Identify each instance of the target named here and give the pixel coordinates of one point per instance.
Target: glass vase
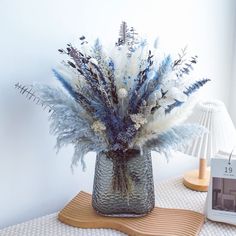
(123, 184)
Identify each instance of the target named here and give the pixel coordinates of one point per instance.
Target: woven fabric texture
(170, 194)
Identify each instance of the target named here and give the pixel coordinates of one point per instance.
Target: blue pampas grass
(166, 66)
(97, 50)
(71, 124)
(79, 97)
(65, 84)
(97, 45)
(152, 83)
(176, 138)
(160, 75)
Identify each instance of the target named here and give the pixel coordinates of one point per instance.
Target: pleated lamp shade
(221, 134)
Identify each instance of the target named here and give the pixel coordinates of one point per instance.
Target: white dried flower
(138, 120)
(144, 103)
(122, 93)
(93, 60)
(177, 94)
(154, 97)
(98, 126)
(158, 94)
(165, 102)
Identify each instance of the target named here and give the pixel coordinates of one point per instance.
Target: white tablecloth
(170, 194)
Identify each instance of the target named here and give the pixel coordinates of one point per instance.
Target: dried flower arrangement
(115, 101)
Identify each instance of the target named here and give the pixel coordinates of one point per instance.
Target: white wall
(232, 102)
(34, 180)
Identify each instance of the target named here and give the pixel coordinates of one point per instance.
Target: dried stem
(30, 94)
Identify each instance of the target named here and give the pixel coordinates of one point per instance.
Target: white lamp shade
(212, 115)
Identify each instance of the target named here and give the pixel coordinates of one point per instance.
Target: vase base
(124, 215)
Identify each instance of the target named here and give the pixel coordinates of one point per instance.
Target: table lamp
(221, 135)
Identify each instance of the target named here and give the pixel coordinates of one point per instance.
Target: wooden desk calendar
(160, 222)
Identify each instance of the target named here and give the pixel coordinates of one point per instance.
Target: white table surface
(171, 194)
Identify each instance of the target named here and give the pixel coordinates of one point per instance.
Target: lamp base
(192, 180)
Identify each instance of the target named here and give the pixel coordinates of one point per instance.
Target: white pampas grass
(161, 122)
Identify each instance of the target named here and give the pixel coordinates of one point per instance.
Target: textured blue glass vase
(123, 184)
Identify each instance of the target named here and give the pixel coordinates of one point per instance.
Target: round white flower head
(138, 120)
(98, 126)
(157, 94)
(93, 60)
(122, 93)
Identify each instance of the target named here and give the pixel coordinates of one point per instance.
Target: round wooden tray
(160, 222)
